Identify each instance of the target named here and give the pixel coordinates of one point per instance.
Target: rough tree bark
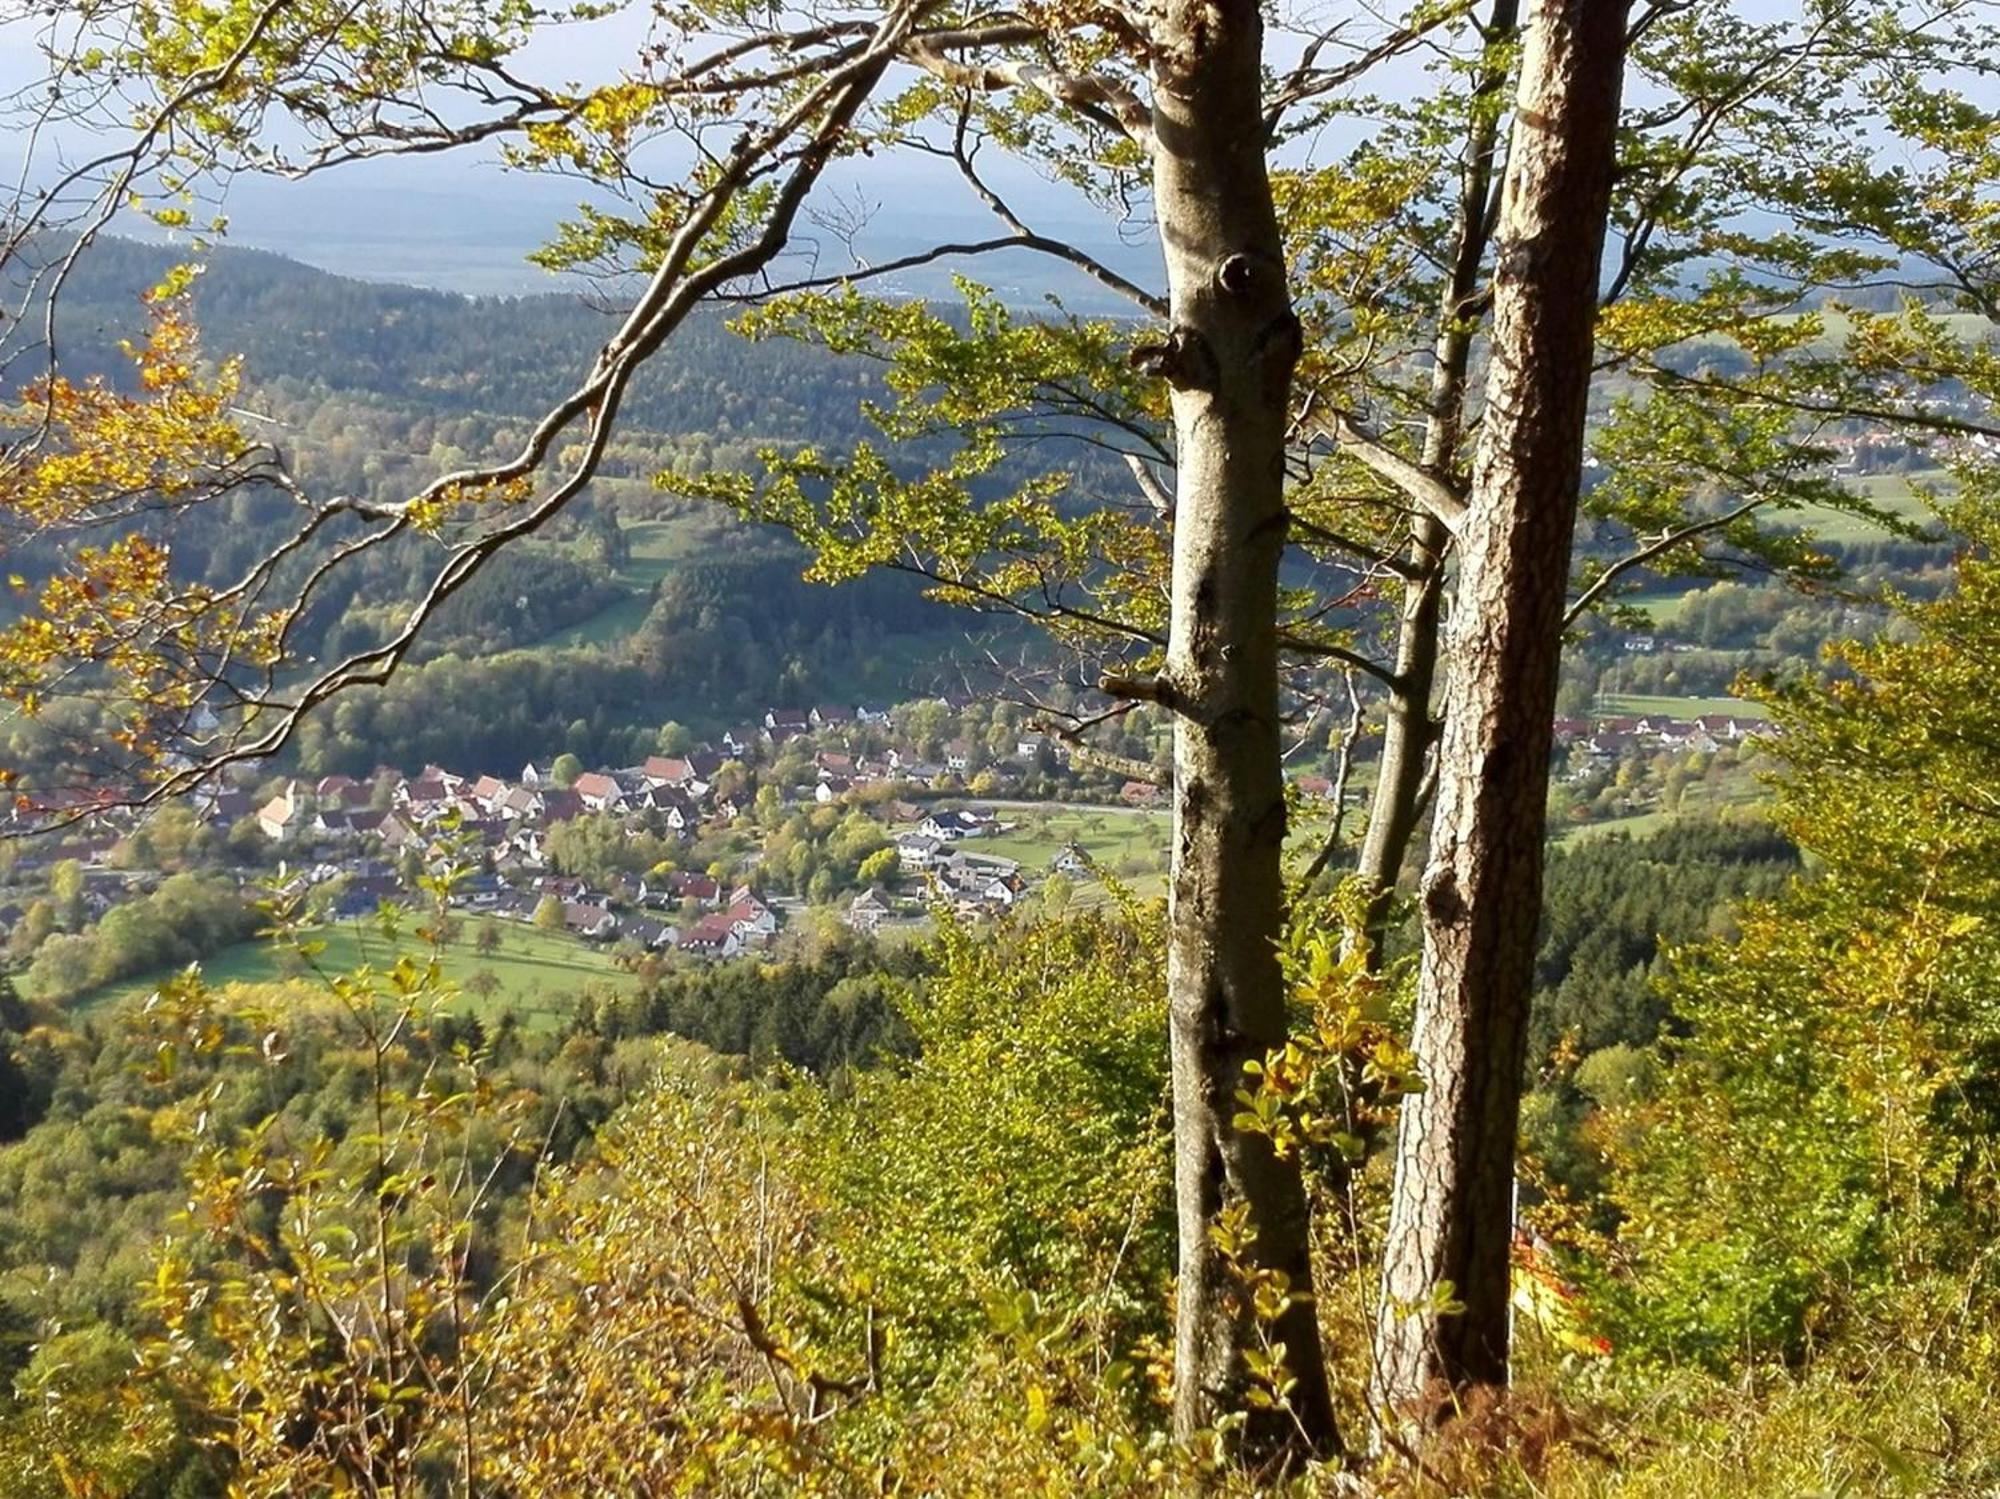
(1407, 729)
(1451, 1219)
(1229, 358)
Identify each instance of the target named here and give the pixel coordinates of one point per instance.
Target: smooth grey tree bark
(1229, 358)
(1408, 730)
(1451, 1217)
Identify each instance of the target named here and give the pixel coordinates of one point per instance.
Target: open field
(1972, 327)
(1639, 704)
(654, 546)
(1128, 842)
(1900, 494)
(1663, 607)
(535, 971)
(1736, 793)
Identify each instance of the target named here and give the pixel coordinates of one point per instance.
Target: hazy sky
(461, 222)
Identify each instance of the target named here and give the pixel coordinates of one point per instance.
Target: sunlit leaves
(964, 514)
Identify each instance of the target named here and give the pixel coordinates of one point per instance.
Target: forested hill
(299, 328)
(633, 608)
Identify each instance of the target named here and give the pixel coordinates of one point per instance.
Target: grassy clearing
(1661, 608)
(1904, 495)
(1638, 825)
(1119, 840)
(1737, 792)
(536, 972)
(1640, 704)
(653, 547)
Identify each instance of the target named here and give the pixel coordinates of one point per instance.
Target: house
(363, 895)
(537, 775)
(425, 797)
(652, 935)
(711, 937)
(228, 808)
(699, 888)
(451, 782)
(751, 919)
(832, 789)
(283, 814)
(561, 806)
(796, 720)
(329, 791)
(833, 763)
(674, 806)
(1726, 727)
(331, 824)
(825, 713)
(868, 910)
(1317, 787)
(667, 770)
(1612, 745)
(488, 792)
(1139, 794)
(949, 827)
(999, 889)
(397, 835)
(958, 755)
(918, 851)
(1073, 859)
(593, 923)
(597, 791)
(518, 803)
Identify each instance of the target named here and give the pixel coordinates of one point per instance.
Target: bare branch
(1658, 547)
(1436, 494)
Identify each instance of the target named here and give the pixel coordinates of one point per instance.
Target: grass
(1662, 608)
(1640, 704)
(1971, 327)
(1121, 841)
(1638, 825)
(1900, 494)
(534, 969)
(653, 546)
(1739, 789)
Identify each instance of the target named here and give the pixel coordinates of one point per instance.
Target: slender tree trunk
(1407, 730)
(1229, 358)
(1395, 805)
(1451, 1219)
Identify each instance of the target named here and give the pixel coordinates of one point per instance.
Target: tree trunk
(1451, 1219)
(1407, 730)
(1229, 358)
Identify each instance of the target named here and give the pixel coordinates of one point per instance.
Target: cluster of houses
(649, 914)
(351, 842)
(1596, 742)
(932, 852)
(339, 822)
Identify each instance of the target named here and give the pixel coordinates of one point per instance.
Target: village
(343, 846)
(873, 818)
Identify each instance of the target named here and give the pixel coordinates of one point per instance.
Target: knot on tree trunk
(1183, 359)
(1442, 900)
(1277, 351)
